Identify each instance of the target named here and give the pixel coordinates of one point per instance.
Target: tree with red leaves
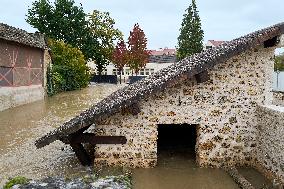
(137, 45)
(119, 57)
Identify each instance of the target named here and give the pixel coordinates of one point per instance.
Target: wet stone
(90, 182)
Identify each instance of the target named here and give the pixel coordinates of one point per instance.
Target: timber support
(76, 141)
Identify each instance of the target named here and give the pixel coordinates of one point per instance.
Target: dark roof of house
(186, 68)
(162, 58)
(10, 33)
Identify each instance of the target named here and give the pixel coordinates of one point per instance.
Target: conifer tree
(191, 34)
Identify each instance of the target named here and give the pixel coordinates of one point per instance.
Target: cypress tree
(191, 34)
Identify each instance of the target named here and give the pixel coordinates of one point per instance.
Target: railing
(278, 81)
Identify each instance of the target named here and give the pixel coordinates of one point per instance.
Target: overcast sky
(161, 19)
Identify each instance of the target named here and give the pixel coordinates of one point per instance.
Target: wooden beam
(202, 77)
(81, 154)
(93, 139)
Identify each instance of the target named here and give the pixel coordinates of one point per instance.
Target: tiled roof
(164, 51)
(10, 33)
(165, 55)
(186, 68)
(216, 43)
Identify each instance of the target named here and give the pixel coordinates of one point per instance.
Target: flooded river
(177, 169)
(21, 126)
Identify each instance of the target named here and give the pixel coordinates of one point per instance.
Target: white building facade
(158, 60)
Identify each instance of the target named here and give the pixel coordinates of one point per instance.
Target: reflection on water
(177, 169)
(21, 126)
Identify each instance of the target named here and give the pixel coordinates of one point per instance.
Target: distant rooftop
(216, 43)
(165, 51)
(165, 55)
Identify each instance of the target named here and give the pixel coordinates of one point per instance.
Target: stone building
(23, 57)
(223, 93)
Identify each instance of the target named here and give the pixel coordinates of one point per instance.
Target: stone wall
(223, 108)
(14, 96)
(270, 150)
(278, 98)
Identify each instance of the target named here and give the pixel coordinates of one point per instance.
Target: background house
(158, 60)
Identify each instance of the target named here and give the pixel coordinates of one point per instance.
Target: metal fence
(278, 81)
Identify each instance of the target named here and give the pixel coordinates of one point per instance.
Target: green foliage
(102, 29)
(191, 34)
(137, 45)
(69, 70)
(279, 62)
(62, 21)
(93, 34)
(15, 181)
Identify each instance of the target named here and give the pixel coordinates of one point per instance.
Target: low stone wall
(278, 98)
(14, 96)
(270, 150)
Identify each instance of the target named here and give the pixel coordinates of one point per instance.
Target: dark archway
(177, 139)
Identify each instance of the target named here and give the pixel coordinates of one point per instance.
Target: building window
(147, 72)
(142, 72)
(114, 72)
(152, 71)
(127, 71)
(209, 47)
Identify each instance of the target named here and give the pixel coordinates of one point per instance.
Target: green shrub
(15, 181)
(68, 71)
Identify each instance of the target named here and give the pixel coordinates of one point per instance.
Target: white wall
(15, 96)
(278, 85)
(148, 70)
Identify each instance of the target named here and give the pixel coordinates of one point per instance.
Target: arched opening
(176, 140)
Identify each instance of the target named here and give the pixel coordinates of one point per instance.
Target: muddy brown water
(178, 170)
(21, 126)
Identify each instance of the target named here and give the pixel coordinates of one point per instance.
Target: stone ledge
(272, 108)
(238, 178)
